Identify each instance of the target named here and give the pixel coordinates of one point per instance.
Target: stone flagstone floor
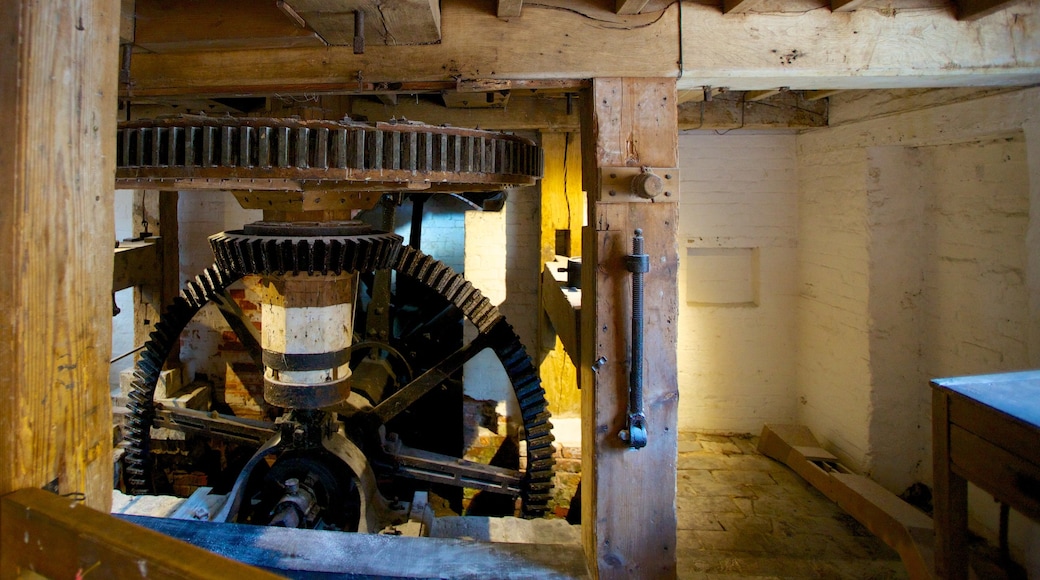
(743, 515)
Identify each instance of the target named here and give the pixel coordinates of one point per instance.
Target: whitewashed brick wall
(502, 260)
(919, 254)
(737, 362)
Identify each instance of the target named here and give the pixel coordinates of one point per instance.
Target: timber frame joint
(638, 185)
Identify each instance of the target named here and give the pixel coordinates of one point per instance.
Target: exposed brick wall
(736, 362)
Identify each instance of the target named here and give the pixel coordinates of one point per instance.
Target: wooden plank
(879, 49)
(821, 94)
(629, 6)
(739, 6)
(58, 102)
(543, 48)
(699, 94)
(157, 208)
(395, 23)
(897, 523)
(565, 319)
(562, 212)
(1008, 477)
(127, 16)
(509, 8)
(950, 498)
(136, 264)
(975, 9)
(523, 113)
(628, 122)
(487, 100)
(163, 26)
(787, 110)
(324, 553)
(58, 538)
(761, 95)
(847, 5)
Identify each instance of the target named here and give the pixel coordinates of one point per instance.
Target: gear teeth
(194, 296)
(485, 316)
(266, 255)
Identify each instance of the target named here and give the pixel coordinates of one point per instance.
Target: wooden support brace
(629, 6)
(628, 496)
(847, 5)
(737, 6)
(908, 531)
(58, 81)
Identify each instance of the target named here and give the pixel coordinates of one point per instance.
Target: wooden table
(986, 430)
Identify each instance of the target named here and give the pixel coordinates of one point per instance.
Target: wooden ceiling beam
(629, 6)
(163, 27)
(761, 95)
(739, 6)
(402, 22)
(822, 94)
(865, 49)
(509, 8)
(524, 113)
(786, 110)
(975, 9)
(478, 46)
(847, 5)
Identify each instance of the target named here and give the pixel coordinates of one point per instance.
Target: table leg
(951, 498)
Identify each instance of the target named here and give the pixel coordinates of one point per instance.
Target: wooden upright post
(58, 82)
(628, 495)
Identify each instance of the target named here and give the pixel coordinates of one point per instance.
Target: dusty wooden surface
(57, 537)
(328, 553)
(628, 496)
(58, 101)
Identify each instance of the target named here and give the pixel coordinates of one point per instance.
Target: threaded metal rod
(637, 263)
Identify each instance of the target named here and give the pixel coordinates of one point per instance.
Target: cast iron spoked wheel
(494, 333)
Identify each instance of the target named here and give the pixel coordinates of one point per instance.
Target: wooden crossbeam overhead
(974, 9)
(823, 94)
(864, 49)
(738, 6)
(229, 24)
(761, 95)
(630, 6)
(509, 8)
(847, 5)
(394, 23)
(542, 49)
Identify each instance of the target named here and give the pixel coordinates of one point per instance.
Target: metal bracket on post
(638, 185)
(638, 263)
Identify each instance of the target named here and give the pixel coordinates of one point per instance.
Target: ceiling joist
(974, 9)
(630, 6)
(403, 22)
(739, 6)
(847, 5)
